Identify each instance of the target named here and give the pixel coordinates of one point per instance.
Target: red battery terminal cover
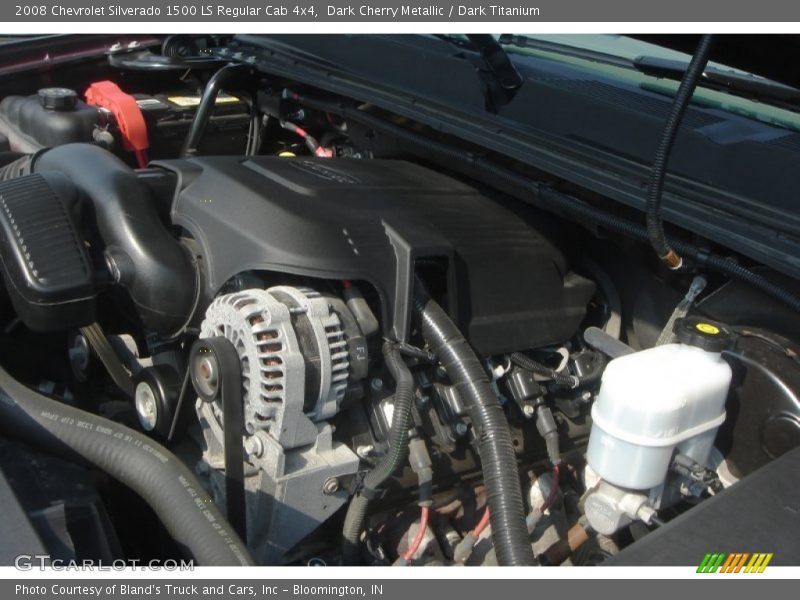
(128, 115)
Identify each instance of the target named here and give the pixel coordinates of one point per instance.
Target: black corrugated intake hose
(655, 226)
(500, 475)
(389, 463)
(146, 467)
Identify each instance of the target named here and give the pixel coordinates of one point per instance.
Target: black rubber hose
(655, 225)
(225, 76)
(351, 531)
(144, 257)
(503, 491)
(395, 455)
(732, 269)
(146, 467)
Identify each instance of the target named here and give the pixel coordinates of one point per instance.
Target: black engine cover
(508, 286)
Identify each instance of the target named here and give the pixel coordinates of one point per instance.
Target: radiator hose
(389, 463)
(503, 491)
(146, 467)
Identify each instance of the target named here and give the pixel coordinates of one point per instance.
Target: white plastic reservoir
(652, 402)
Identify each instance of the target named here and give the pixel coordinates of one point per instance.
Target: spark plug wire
(482, 524)
(551, 497)
(423, 527)
(465, 547)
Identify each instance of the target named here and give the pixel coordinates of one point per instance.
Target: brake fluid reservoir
(658, 400)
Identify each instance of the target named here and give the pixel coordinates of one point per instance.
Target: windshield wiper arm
(741, 84)
(522, 41)
(501, 74)
(497, 61)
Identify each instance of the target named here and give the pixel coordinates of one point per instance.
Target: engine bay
(268, 330)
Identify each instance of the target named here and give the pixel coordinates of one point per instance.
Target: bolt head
(331, 486)
(461, 428)
(146, 406)
(254, 446)
(365, 450)
(206, 375)
(112, 267)
(79, 356)
(528, 410)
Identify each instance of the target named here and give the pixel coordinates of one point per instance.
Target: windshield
(620, 46)
(632, 61)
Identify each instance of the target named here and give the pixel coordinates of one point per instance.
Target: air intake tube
(504, 494)
(143, 256)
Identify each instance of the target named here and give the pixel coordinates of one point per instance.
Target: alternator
(293, 355)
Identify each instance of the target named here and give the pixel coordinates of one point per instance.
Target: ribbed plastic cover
(508, 284)
(46, 268)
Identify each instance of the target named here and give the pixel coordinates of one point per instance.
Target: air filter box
(46, 268)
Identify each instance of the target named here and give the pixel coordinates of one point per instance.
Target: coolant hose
(146, 467)
(655, 226)
(389, 463)
(503, 491)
